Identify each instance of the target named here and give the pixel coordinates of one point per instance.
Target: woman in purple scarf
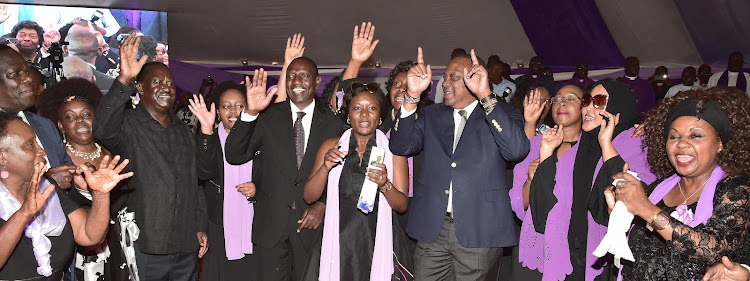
(568, 210)
(39, 223)
(230, 212)
(360, 241)
(699, 144)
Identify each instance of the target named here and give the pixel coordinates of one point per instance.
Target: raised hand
(295, 47)
(257, 100)
(34, 201)
(533, 106)
(551, 139)
(50, 36)
(607, 129)
(107, 176)
(206, 117)
(4, 13)
(419, 77)
(362, 44)
(476, 78)
(130, 63)
(333, 157)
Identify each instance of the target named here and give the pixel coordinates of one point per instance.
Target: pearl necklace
(85, 155)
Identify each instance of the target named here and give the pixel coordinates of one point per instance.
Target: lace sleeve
(725, 232)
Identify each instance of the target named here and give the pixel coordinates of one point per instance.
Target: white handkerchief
(616, 240)
(366, 202)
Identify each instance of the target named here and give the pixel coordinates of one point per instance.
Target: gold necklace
(694, 192)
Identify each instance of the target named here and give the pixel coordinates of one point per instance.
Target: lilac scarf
(741, 82)
(705, 208)
(382, 260)
(549, 253)
(238, 214)
(50, 221)
(630, 151)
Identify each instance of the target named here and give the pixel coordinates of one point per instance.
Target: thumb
(728, 264)
(625, 167)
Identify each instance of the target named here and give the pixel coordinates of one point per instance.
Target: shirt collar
(631, 78)
(308, 110)
(469, 108)
(144, 115)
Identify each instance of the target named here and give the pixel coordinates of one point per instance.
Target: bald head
(83, 44)
(76, 67)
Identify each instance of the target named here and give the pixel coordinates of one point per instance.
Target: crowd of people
(105, 182)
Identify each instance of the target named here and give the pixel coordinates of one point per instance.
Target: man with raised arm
(169, 205)
(282, 139)
(461, 212)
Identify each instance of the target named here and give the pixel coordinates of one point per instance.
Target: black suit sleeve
(243, 141)
(209, 149)
(541, 196)
(110, 114)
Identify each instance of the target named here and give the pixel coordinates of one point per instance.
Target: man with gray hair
(84, 45)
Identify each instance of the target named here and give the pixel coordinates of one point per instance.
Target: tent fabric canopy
(659, 32)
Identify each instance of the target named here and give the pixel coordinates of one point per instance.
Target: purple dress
(644, 93)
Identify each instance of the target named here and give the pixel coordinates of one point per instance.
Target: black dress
(356, 229)
(22, 264)
(693, 250)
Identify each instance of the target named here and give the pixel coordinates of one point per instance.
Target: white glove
(616, 240)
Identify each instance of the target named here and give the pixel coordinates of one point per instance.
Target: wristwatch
(661, 220)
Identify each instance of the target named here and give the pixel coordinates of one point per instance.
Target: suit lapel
(470, 126)
(448, 130)
(286, 139)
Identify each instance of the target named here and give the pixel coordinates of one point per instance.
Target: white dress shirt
(679, 88)
(306, 120)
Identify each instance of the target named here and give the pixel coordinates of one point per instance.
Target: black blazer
(279, 183)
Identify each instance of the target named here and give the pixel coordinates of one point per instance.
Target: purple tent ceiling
(670, 32)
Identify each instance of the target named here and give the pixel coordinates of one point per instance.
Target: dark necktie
(299, 138)
(461, 124)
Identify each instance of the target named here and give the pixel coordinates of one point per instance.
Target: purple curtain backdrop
(717, 28)
(564, 32)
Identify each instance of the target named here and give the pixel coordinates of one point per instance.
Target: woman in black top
(38, 229)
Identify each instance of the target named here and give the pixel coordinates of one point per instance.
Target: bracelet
(410, 100)
(386, 187)
(488, 103)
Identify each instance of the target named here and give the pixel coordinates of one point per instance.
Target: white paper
(366, 202)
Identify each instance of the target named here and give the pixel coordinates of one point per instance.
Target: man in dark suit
(287, 135)
(84, 45)
(461, 212)
(18, 92)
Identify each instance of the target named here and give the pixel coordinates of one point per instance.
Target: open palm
(206, 117)
(295, 47)
(107, 176)
(4, 13)
(257, 100)
(362, 44)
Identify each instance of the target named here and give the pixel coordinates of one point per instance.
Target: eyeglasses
(566, 99)
(372, 87)
(13, 41)
(599, 101)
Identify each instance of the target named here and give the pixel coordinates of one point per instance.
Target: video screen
(45, 34)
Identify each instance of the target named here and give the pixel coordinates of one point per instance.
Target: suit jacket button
(453, 164)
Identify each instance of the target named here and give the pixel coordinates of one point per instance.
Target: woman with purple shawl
(559, 232)
(230, 212)
(361, 240)
(698, 143)
(39, 223)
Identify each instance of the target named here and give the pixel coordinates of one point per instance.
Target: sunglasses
(359, 86)
(599, 101)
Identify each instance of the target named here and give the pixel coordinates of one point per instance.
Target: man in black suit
(288, 135)
(18, 92)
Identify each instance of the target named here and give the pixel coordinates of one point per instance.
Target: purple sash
(705, 208)
(238, 213)
(741, 82)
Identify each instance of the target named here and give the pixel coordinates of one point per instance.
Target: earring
(347, 120)
(65, 138)
(4, 174)
(381, 122)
